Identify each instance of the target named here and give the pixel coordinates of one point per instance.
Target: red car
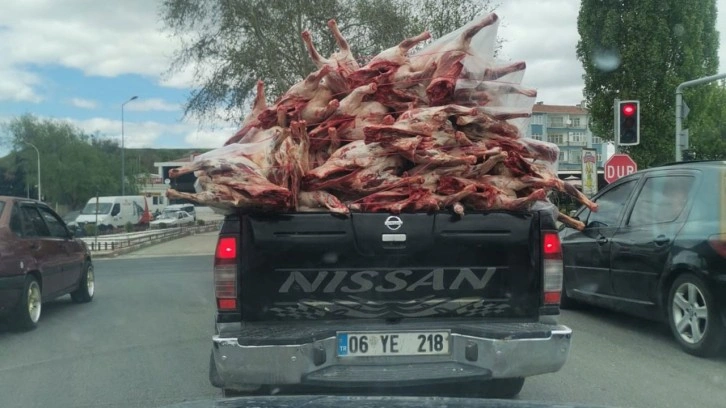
(40, 260)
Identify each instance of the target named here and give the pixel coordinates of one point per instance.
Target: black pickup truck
(376, 300)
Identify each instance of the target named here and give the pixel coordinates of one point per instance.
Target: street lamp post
(123, 160)
(38, 153)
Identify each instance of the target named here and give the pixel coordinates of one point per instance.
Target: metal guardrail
(115, 242)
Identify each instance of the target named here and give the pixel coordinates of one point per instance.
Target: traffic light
(628, 123)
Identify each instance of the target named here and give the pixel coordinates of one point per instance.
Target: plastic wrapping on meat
(421, 127)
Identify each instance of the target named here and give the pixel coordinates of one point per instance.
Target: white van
(113, 212)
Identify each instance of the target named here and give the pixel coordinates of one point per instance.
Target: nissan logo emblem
(393, 223)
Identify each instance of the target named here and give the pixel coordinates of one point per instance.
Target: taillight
(226, 248)
(718, 243)
(552, 265)
(225, 274)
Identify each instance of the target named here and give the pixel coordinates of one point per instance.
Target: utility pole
(123, 162)
(679, 107)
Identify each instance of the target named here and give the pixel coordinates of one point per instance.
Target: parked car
(39, 260)
(172, 219)
(188, 208)
(656, 248)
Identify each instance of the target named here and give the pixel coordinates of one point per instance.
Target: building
(184, 183)
(152, 186)
(568, 128)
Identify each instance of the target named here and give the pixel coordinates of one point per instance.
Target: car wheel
(504, 387)
(86, 287)
(28, 312)
(693, 317)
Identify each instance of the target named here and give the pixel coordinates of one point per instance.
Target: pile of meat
(406, 132)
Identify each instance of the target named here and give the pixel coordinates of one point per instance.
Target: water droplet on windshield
(606, 60)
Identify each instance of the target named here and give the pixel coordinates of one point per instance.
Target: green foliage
(74, 165)
(90, 229)
(129, 227)
(706, 123)
(200, 223)
(246, 40)
(643, 50)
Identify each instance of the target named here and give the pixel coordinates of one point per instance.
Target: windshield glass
(103, 208)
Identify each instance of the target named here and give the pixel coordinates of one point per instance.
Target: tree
(233, 43)
(706, 123)
(74, 166)
(643, 50)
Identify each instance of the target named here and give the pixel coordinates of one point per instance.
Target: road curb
(132, 248)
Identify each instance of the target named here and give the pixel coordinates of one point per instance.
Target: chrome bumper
(514, 350)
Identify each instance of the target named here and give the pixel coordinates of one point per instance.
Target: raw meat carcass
(251, 121)
(449, 64)
(317, 200)
(428, 130)
(292, 104)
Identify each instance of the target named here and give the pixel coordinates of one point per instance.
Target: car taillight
(718, 243)
(552, 265)
(225, 274)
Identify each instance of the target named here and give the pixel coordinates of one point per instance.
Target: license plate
(357, 344)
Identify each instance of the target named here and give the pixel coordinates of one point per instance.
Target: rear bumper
(286, 355)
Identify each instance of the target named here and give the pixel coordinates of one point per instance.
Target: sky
(79, 60)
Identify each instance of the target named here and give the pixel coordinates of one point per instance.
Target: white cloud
(545, 37)
(209, 138)
(17, 85)
(83, 103)
(98, 38)
(153, 104)
(154, 134)
(125, 37)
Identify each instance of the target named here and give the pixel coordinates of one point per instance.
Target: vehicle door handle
(602, 240)
(661, 240)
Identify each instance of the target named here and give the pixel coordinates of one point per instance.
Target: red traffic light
(629, 109)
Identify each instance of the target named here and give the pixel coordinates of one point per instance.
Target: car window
(116, 209)
(611, 205)
(16, 225)
(661, 199)
(55, 225)
(33, 222)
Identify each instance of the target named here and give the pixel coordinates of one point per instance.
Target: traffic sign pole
(616, 125)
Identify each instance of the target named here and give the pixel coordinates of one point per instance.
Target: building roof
(540, 107)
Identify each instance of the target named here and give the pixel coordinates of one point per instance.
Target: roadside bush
(129, 227)
(200, 222)
(90, 229)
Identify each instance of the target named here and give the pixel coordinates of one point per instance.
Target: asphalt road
(144, 342)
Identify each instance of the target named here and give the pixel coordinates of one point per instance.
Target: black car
(656, 248)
